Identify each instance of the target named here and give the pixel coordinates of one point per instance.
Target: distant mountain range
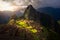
(55, 12)
(5, 15)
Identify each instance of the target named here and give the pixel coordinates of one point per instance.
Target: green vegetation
(58, 21)
(27, 29)
(37, 32)
(31, 29)
(23, 24)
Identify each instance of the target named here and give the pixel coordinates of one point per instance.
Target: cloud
(43, 3)
(38, 3)
(50, 3)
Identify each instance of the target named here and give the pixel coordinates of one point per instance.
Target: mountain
(5, 15)
(45, 19)
(3, 18)
(55, 12)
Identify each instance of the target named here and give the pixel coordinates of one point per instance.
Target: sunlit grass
(34, 29)
(24, 24)
(30, 27)
(11, 22)
(58, 21)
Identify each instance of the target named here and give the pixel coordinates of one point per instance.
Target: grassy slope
(16, 31)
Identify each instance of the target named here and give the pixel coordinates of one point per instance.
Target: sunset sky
(12, 5)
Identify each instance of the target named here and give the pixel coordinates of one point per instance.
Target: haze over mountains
(5, 15)
(55, 12)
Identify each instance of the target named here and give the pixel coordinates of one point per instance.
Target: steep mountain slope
(3, 18)
(55, 12)
(5, 15)
(44, 19)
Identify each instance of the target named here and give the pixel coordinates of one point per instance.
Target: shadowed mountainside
(55, 12)
(5, 15)
(46, 20)
(3, 18)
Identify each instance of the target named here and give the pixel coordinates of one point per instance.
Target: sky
(42, 3)
(51, 3)
(11, 5)
(45, 3)
(37, 3)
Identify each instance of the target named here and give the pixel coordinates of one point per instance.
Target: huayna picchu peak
(45, 19)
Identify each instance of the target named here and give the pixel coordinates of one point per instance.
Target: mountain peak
(29, 6)
(30, 10)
